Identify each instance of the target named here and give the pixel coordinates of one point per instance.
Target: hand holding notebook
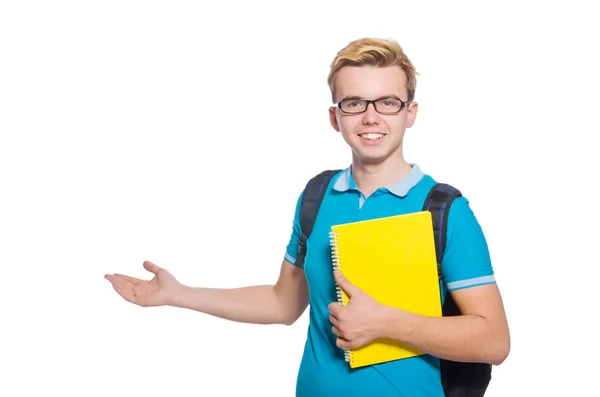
(358, 323)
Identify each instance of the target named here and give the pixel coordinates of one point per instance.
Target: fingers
(334, 320)
(340, 341)
(132, 280)
(335, 308)
(343, 343)
(119, 280)
(122, 287)
(111, 278)
(343, 338)
(336, 331)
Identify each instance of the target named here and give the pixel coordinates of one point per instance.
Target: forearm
(466, 338)
(255, 304)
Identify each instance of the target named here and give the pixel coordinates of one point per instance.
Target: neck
(371, 176)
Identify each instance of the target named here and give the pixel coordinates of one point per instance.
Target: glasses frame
(403, 104)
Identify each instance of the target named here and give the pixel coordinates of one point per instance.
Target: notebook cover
(393, 260)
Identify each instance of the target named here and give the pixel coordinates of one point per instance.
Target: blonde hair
(374, 52)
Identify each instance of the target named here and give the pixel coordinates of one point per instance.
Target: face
(373, 137)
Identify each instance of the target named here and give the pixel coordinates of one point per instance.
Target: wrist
(394, 324)
(176, 296)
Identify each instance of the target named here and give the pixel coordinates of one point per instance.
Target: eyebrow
(376, 99)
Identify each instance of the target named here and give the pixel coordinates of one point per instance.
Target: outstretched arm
(282, 303)
(279, 303)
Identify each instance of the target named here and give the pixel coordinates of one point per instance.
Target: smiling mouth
(371, 136)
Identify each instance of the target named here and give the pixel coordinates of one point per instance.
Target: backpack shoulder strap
(459, 379)
(309, 208)
(438, 202)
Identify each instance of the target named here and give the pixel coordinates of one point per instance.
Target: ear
(333, 118)
(411, 114)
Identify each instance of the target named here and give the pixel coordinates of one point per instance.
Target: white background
(166, 131)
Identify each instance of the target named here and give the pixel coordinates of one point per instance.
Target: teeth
(372, 136)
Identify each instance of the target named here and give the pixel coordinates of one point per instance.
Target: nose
(370, 116)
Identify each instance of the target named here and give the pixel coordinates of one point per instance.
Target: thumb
(349, 288)
(151, 267)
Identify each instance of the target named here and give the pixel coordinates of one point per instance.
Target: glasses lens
(353, 105)
(389, 105)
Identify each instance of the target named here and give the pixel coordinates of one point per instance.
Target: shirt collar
(401, 188)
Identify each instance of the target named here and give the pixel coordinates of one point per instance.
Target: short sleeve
(291, 252)
(466, 262)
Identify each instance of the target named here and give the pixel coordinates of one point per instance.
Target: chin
(376, 154)
(363, 158)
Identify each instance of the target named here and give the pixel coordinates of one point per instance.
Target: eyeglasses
(383, 105)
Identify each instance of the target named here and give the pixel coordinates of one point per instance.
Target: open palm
(153, 292)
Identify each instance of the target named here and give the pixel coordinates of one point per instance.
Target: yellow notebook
(393, 260)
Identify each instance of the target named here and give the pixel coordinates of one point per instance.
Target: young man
(373, 85)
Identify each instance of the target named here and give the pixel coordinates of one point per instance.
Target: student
(372, 84)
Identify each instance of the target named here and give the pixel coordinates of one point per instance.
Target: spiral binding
(335, 257)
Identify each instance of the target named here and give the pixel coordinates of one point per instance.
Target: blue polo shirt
(466, 263)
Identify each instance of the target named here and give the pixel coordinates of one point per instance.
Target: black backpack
(458, 379)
